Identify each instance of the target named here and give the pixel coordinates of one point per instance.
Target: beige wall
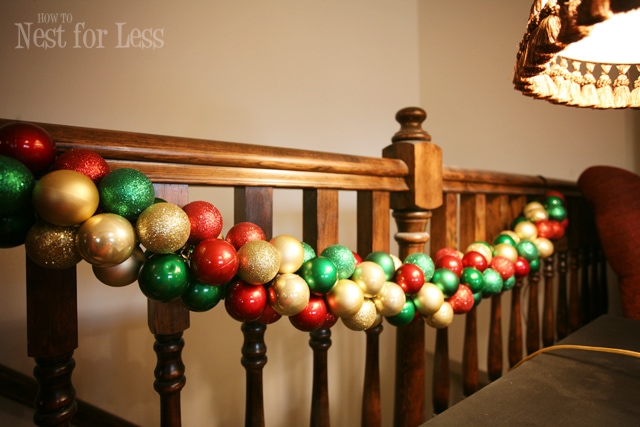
(324, 75)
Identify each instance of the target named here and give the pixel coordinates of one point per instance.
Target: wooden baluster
(320, 230)
(562, 315)
(254, 204)
(533, 319)
(52, 337)
(373, 235)
(574, 290)
(548, 323)
(585, 286)
(167, 322)
(515, 325)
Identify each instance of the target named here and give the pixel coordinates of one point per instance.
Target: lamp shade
(583, 53)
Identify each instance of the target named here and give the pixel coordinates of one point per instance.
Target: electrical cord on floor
(578, 347)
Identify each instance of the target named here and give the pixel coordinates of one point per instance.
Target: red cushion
(614, 194)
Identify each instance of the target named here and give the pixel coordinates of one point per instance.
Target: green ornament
(534, 264)
(518, 220)
(509, 283)
(126, 192)
(385, 261)
(473, 278)
(446, 280)
(201, 297)
(527, 250)
(553, 201)
(16, 186)
(406, 315)
(14, 229)
(320, 273)
(492, 282)
(423, 261)
(309, 252)
(504, 238)
(164, 277)
(477, 298)
(343, 258)
(557, 213)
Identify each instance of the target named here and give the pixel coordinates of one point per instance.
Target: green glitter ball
(423, 261)
(385, 261)
(492, 282)
(343, 258)
(126, 192)
(16, 186)
(527, 250)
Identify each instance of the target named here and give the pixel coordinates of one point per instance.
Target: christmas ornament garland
(73, 208)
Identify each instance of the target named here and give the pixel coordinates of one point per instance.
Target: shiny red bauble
(450, 262)
(87, 162)
(214, 262)
(29, 144)
(357, 257)
(521, 267)
(244, 232)
(475, 259)
(503, 266)
(268, 316)
(329, 320)
(206, 221)
(245, 302)
(410, 278)
(445, 251)
(312, 317)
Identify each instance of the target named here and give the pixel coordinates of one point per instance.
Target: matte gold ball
(65, 197)
(291, 253)
(370, 277)
(258, 262)
(363, 319)
(544, 245)
(506, 250)
(345, 299)
(122, 274)
(288, 294)
(526, 230)
(441, 318)
(163, 228)
(106, 240)
(535, 211)
(390, 300)
(52, 246)
(429, 299)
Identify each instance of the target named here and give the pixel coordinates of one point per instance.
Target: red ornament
(522, 267)
(29, 144)
(503, 266)
(214, 262)
(462, 301)
(244, 232)
(475, 259)
(553, 193)
(329, 320)
(410, 278)
(558, 229)
(86, 162)
(245, 302)
(357, 257)
(268, 316)
(206, 221)
(450, 262)
(445, 251)
(312, 317)
(545, 228)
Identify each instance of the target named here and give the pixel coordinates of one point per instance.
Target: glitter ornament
(288, 294)
(370, 277)
(385, 261)
(29, 144)
(205, 219)
(343, 258)
(106, 240)
(200, 297)
(14, 229)
(423, 261)
(309, 252)
(503, 266)
(320, 273)
(345, 299)
(258, 262)
(245, 302)
(16, 186)
(429, 299)
(390, 300)
(244, 232)
(291, 252)
(164, 277)
(86, 162)
(163, 228)
(492, 282)
(508, 283)
(122, 274)
(214, 261)
(364, 319)
(312, 316)
(441, 318)
(65, 197)
(446, 280)
(462, 301)
(527, 250)
(126, 192)
(409, 277)
(52, 246)
(405, 316)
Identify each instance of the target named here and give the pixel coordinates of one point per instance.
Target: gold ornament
(106, 240)
(441, 318)
(535, 211)
(122, 274)
(370, 277)
(163, 228)
(506, 250)
(526, 230)
(291, 253)
(390, 300)
(258, 262)
(544, 245)
(429, 299)
(288, 294)
(345, 299)
(363, 319)
(52, 246)
(65, 197)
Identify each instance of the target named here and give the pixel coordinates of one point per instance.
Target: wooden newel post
(412, 212)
